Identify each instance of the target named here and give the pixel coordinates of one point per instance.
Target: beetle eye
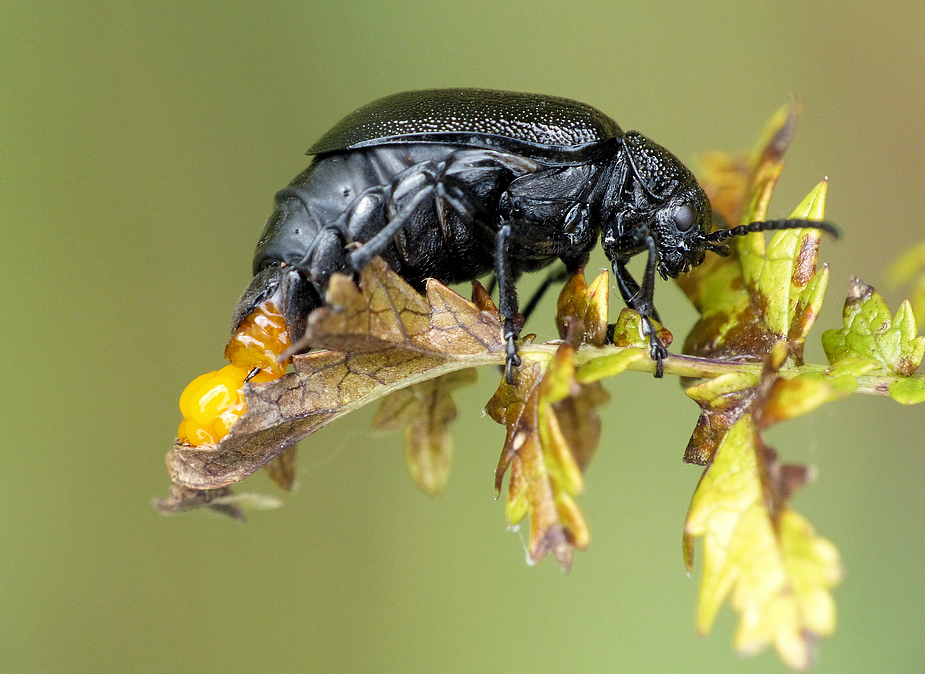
(685, 217)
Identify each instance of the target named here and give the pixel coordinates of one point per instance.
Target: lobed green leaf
(870, 331)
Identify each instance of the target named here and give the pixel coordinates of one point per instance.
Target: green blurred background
(141, 146)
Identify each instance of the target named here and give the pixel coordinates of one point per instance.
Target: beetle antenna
(768, 225)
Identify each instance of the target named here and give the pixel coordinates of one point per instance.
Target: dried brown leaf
(391, 337)
(386, 313)
(482, 299)
(183, 498)
(555, 522)
(281, 469)
(222, 500)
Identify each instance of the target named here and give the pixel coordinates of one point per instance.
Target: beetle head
(679, 226)
(662, 200)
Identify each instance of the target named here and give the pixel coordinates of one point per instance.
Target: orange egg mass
(212, 402)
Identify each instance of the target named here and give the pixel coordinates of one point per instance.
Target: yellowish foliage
(777, 571)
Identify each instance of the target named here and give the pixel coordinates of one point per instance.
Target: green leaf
(628, 331)
(770, 563)
(871, 331)
(785, 288)
(908, 391)
(756, 550)
(722, 402)
(609, 365)
(762, 293)
(791, 398)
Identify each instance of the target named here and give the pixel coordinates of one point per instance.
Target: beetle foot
(513, 358)
(509, 371)
(658, 353)
(657, 350)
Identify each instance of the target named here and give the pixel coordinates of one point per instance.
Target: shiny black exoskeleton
(453, 184)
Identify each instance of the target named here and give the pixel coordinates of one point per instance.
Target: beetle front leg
(642, 300)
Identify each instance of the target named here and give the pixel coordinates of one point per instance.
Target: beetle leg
(531, 237)
(507, 298)
(362, 256)
(431, 181)
(492, 282)
(642, 300)
(466, 204)
(556, 276)
(326, 255)
(629, 289)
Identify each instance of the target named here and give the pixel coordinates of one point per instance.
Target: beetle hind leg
(360, 258)
(451, 185)
(443, 184)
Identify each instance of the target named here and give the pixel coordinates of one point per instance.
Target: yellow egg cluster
(259, 340)
(212, 402)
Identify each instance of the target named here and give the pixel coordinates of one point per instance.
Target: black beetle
(453, 184)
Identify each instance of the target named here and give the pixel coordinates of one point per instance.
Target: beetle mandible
(452, 184)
